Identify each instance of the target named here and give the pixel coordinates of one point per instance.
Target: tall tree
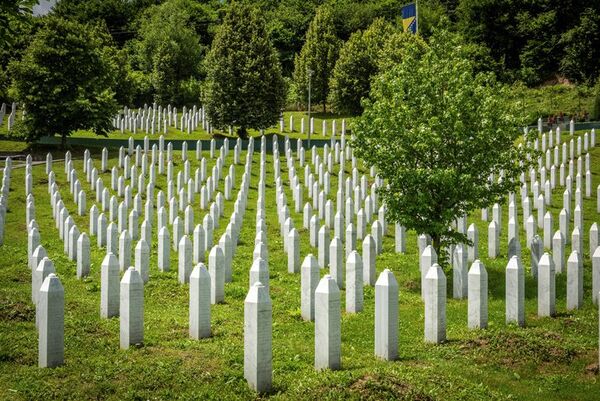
(65, 81)
(582, 48)
(357, 64)
(436, 132)
(317, 58)
(244, 87)
(169, 50)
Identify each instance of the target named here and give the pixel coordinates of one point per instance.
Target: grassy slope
(547, 360)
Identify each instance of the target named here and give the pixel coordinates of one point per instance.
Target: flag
(409, 17)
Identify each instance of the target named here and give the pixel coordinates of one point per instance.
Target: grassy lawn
(199, 133)
(550, 359)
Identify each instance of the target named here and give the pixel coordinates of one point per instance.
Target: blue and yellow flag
(409, 17)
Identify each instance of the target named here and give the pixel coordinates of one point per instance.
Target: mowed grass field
(550, 359)
(200, 133)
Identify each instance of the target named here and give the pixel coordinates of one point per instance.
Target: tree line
(237, 56)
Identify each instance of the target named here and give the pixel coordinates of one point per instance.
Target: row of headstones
(151, 121)
(108, 293)
(203, 286)
(323, 205)
(540, 126)
(4, 192)
(292, 128)
(98, 223)
(541, 264)
(11, 116)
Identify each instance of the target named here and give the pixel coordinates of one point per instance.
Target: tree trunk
(63, 142)
(242, 132)
(437, 244)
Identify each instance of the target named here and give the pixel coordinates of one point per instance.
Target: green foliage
(525, 35)
(287, 22)
(396, 45)
(317, 57)
(65, 81)
(117, 15)
(168, 49)
(551, 100)
(582, 48)
(356, 65)
(436, 131)
(596, 105)
(244, 86)
(11, 12)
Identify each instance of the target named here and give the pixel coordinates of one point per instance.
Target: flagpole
(417, 15)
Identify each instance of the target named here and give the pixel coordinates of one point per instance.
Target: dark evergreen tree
(244, 86)
(317, 58)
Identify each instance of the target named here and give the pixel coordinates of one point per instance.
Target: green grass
(199, 133)
(553, 99)
(546, 360)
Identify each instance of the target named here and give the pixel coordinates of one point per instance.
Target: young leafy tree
(65, 82)
(318, 55)
(357, 64)
(244, 87)
(437, 132)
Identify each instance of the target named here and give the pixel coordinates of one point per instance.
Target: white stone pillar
(546, 286)
(574, 281)
(354, 283)
(216, 269)
(109, 286)
(478, 296)
(515, 292)
(435, 305)
(386, 316)
(51, 313)
(200, 302)
(131, 309)
(258, 352)
(309, 279)
(328, 322)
